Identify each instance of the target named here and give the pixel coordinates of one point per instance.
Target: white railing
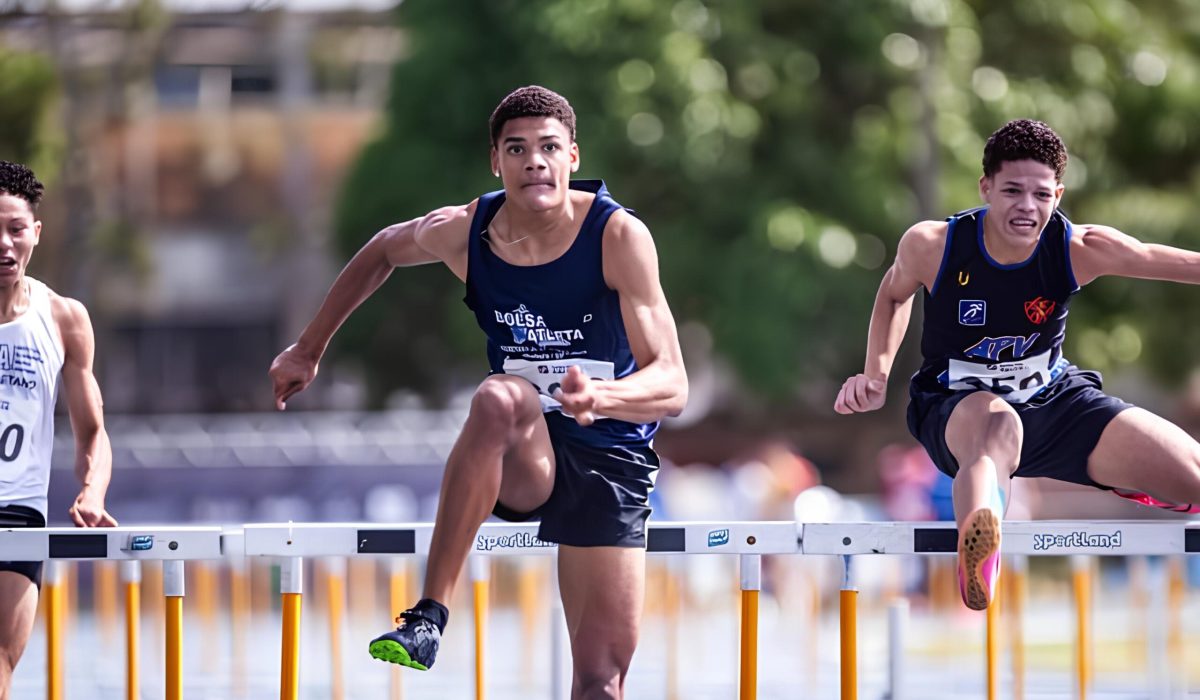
(291, 543)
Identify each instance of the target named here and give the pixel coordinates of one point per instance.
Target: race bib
(1015, 382)
(547, 375)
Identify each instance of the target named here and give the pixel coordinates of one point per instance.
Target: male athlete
(585, 361)
(42, 336)
(994, 397)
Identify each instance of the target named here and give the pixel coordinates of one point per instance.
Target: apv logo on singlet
(530, 327)
(990, 348)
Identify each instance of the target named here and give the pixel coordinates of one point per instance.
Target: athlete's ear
(495, 160)
(985, 187)
(574, 157)
(1058, 193)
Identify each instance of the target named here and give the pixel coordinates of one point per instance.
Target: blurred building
(203, 152)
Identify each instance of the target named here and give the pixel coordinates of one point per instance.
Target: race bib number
(1015, 382)
(547, 375)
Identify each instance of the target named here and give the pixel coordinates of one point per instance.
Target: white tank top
(31, 360)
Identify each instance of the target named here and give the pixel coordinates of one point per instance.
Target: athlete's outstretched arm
(440, 235)
(917, 258)
(659, 387)
(1097, 251)
(93, 452)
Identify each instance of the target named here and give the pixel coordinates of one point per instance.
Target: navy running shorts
(601, 495)
(22, 516)
(1061, 426)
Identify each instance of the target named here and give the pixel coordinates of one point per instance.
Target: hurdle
(1032, 538)
(291, 543)
(130, 546)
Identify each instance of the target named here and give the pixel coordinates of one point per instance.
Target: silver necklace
(506, 243)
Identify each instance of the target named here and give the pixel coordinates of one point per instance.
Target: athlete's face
(534, 157)
(19, 231)
(1021, 196)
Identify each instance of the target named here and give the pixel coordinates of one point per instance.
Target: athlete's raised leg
(603, 589)
(18, 596)
(503, 454)
(1139, 451)
(984, 434)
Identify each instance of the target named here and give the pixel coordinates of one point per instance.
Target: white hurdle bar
(1030, 538)
(292, 542)
(130, 546)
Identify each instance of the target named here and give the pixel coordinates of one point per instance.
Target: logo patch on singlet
(530, 328)
(972, 312)
(1038, 310)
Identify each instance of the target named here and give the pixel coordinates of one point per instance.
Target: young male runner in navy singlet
(994, 397)
(585, 361)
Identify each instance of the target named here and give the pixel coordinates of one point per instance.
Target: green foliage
(778, 149)
(27, 90)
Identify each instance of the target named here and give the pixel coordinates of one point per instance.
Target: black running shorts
(1061, 426)
(22, 516)
(601, 496)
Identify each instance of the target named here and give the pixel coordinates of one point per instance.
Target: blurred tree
(27, 91)
(778, 149)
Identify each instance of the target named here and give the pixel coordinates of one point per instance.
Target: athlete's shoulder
(448, 219)
(924, 238)
(67, 312)
(624, 228)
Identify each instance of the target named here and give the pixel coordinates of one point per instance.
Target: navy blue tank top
(997, 327)
(542, 319)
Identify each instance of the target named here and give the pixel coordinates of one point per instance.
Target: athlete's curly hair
(19, 181)
(532, 101)
(1025, 139)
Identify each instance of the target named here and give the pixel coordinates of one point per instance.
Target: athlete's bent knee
(499, 401)
(601, 683)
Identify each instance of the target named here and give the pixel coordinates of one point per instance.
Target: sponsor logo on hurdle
(139, 543)
(517, 540)
(1045, 541)
(716, 538)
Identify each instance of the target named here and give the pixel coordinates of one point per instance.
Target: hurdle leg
(1016, 593)
(398, 595)
(993, 645)
(131, 577)
(1082, 579)
(480, 567)
(53, 593)
(751, 575)
(291, 586)
(848, 613)
(897, 631)
(335, 600)
(173, 592)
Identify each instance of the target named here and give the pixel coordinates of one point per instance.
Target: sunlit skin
(1021, 196)
(535, 157)
(19, 234)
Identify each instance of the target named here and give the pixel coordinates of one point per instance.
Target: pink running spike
(979, 558)
(1147, 500)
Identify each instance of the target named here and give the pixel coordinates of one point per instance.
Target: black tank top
(997, 327)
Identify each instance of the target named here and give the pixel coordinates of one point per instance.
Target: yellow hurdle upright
(848, 598)
(54, 629)
(173, 590)
(291, 586)
(131, 577)
(480, 567)
(993, 645)
(1081, 567)
(751, 575)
